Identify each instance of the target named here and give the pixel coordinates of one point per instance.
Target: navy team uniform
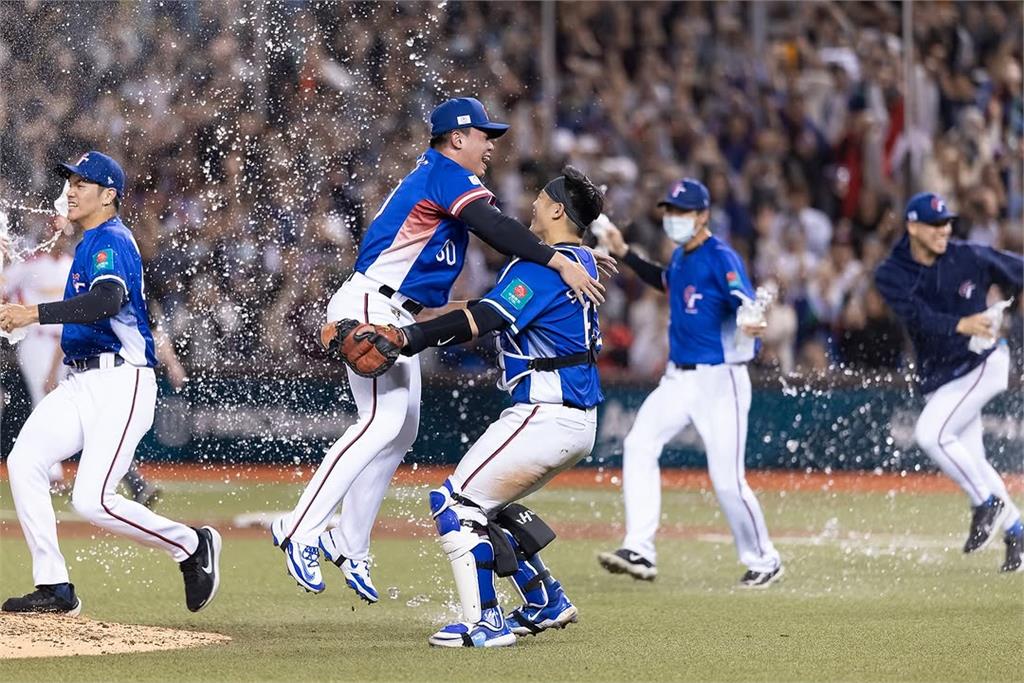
(548, 348)
(705, 383)
(412, 252)
(103, 409)
(956, 381)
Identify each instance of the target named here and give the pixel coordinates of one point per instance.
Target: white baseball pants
(716, 399)
(524, 449)
(950, 431)
(359, 466)
(35, 357)
(103, 413)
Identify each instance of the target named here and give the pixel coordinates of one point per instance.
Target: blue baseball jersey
(109, 252)
(703, 287)
(416, 243)
(546, 321)
(930, 300)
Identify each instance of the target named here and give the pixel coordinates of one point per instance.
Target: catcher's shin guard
(463, 532)
(532, 579)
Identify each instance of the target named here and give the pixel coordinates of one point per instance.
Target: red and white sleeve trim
(466, 198)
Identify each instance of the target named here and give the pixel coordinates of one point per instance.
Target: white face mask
(679, 228)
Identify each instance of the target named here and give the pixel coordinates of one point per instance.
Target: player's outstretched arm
(512, 238)
(102, 301)
(611, 238)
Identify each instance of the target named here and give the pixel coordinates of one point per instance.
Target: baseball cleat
(490, 631)
(758, 580)
(302, 561)
(201, 570)
(624, 561)
(986, 518)
(531, 620)
(57, 599)
(356, 572)
(1014, 549)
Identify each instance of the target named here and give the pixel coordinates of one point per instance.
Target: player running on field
(409, 259)
(103, 409)
(548, 342)
(939, 288)
(706, 383)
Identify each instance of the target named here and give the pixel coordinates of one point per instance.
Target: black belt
(685, 366)
(559, 362)
(93, 363)
(567, 404)
(408, 304)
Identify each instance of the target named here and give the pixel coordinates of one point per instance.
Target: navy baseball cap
(929, 208)
(688, 194)
(98, 168)
(462, 112)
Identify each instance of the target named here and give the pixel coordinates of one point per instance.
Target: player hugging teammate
(548, 339)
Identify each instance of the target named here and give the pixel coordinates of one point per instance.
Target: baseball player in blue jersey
(548, 339)
(706, 383)
(103, 408)
(409, 259)
(939, 288)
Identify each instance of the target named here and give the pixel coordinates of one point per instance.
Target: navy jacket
(931, 300)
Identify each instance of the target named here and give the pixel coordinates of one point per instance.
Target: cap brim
(942, 221)
(681, 207)
(67, 170)
(494, 130)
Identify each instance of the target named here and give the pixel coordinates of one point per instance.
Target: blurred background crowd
(260, 139)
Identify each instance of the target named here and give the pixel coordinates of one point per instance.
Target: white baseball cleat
(356, 572)
(302, 561)
(490, 631)
(624, 561)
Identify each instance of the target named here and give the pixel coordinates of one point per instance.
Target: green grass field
(875, 589)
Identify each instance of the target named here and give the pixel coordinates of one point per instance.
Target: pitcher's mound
(51, 635)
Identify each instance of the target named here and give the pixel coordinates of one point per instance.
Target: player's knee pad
(531, 533)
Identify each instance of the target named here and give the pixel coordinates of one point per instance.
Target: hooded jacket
(930, 300)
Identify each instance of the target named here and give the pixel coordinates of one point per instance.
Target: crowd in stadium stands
(259, 141)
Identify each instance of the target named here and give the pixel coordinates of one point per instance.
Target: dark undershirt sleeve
(451, 328)
(651, 273)
(102, 301)
(504, 233)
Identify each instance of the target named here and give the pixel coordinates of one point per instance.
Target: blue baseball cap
(462, 112)
(928, 207)
(688, 194)
(98, 168)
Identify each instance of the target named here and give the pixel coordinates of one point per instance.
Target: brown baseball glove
(370, 350)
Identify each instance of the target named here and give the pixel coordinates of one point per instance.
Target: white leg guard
(464, 540)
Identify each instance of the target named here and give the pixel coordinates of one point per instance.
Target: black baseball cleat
(985, 519)
(1014, 549)
(57, 599)
(753, 579)
(624, 561)
(202, 570)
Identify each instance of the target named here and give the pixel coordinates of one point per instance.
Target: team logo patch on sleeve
(103, 260)
(733, 278)
(517, 293)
